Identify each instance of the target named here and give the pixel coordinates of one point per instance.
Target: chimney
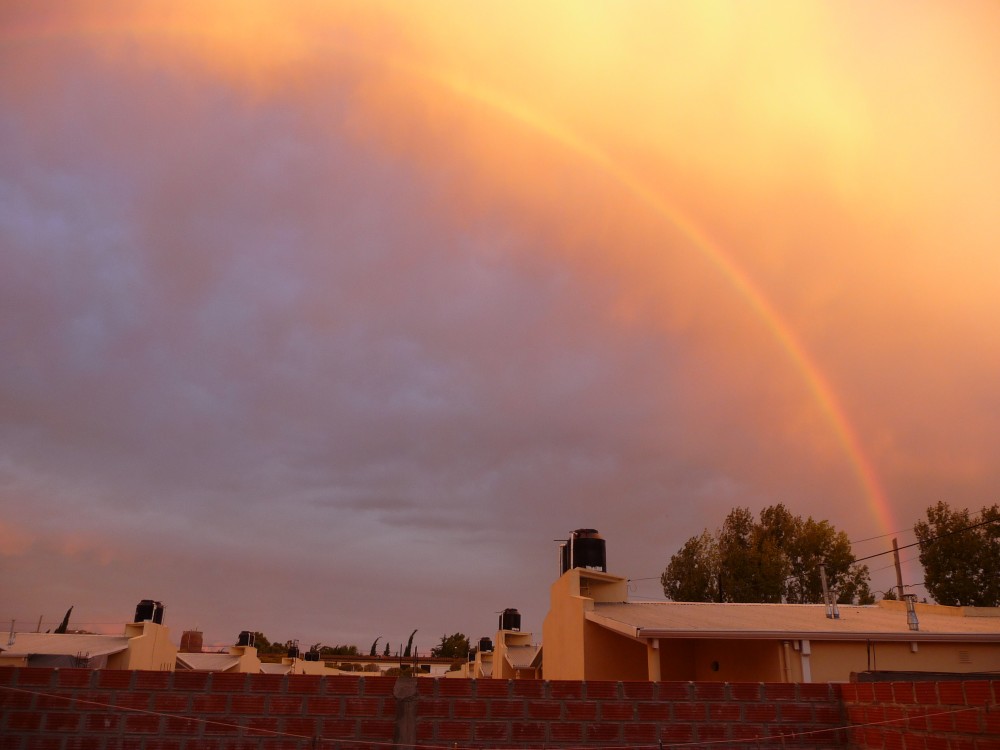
(911, 611)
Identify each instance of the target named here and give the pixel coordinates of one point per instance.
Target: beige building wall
(149, 648)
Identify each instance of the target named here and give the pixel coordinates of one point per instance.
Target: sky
(328, 319)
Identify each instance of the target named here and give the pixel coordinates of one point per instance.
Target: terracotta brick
(916, 718)
(579, 711)
(710, 691)
(69, 678)
(913, 741)
(8, 675)
(372, 686)
(35, 676)
(41, 743)
(24, 721)
(963, 743)
(228, 682)
(62, 722)
(221, 725)
(640, 733)
(181, 725)
(209, 703)
(978, 693)
(951, 693)
(491, 731)
(749, 731)
(427, 732)
(142, 723)
(745, 691)
(903, 692)
(114, 678)
(925, 693)
(528, 689)
(527, 731)
(336, 729)
(604, 732)
(815, 691)
(969, 721)
(147, 680)
(501, 709)
(247, 705)
(308, 684)
(544, 709)
(601, 689)
(677, 732)
(492, 688)
(361, 706)
(172, 703)
(450, 731)
(727, 712)
(652, 711)
(988, 743)
(712, 732)
(193, 681)
(429, 708)
(565, 689)
(454, 687)
(616, 711)
(936, 742)
(101, 721)
(941, 722)
(11, 699)
(303, 726)
(346, 685)
(991, 722)
(883, 691)
(377, 729)
(639, 691)
(795, 712)
(828, 714)
(284, 705)
(675, 691)
(775, 691)
(565, 732)
(689, 712)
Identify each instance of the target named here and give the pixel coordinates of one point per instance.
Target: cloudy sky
(325, 319)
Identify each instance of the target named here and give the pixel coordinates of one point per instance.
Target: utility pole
(899, 570)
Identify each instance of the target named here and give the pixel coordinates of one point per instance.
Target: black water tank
(146, 610)
(510, 619)
(246, 638)
(158, 614)
(584, 549)
(472, 654)
(485, 645)
(293, 652)
(312, 656)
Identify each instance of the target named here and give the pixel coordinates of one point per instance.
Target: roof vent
(583, 549)
(911, 611)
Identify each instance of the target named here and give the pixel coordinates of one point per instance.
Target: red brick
(916, 718)
(713, 732)
(361, 706)
(991, 722)
(23, 721)
(710, 691)
(579, 711)
(305, 683)
(265, 683)
(963, 743)
(325, 706)
(856, 714)
(941, 722)
(883, 692)
(689, 712)
(111, 679)
(228, 682)
(676, 732)
(73, 677)
(11, 699)
(527, 731)
(936, 742)
(35, 676)
(426, 732)
(492, 688)
(903, 692)
(55, 701)
(639, 733)
(639, 691)
(528, 689)
(147, 680)
(501, 709)
(675, 691)
(101, 722)
(544, 709)
(193, 680)
(456, 731)
(828, 714)
(454, 687)
(652, 711)
(601, 689)
(892, 740)
(41, 743)
(142, 723)
(760, 712)
(988, 743)
(913, 741)
(815, 691)
(371, 686)
(616, 711)
(926, 693)
(429, 709)
(174, 703)
(978, 693)
(8, 675)
(378, 729)
(565, 732)
(179, 725)
(726, 712)
(223, 725)
(346, 685)
(565, 689)
(339, 728)
(795, 712)
(303, 726)
(283, 705)
(865, 692)
(749, 731)
(745, 691)
(779, 691)
(62, 722)
(605, 732)
(491, 731)
(209, 703)
(951, 693)
(968, 721)
(247, 705)
(847, 691)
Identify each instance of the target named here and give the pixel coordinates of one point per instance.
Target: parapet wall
(75, 709)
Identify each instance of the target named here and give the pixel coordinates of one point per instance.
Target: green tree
(773, 559)
(961, 555)
(454, 646)
(409, 645)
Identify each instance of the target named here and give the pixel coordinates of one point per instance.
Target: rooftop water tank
(583, 549)
(246, 638)
(485, 645)
(149, 610)
(510, 619)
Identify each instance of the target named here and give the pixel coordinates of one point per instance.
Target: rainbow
(818, 386)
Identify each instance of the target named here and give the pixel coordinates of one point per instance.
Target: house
(592, 632)
(510, 656)
(144, 644)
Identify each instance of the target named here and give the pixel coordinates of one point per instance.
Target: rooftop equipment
(485, 645)
(583, 549)
(510, 619)
(148, 609)
(246, 638)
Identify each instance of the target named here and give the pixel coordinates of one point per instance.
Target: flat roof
(779, 621)
(66, 644)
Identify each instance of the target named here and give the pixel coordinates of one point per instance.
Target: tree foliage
(961, 555)
(454, 646)
(776, 558)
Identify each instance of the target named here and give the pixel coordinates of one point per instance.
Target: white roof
(806, 621)
(65, 644)
(208, 662)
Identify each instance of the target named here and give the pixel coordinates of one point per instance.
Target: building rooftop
(65, 644)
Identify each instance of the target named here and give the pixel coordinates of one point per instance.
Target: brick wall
(924, 715)
(73, 709)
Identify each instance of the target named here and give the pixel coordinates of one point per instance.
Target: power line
(930, 539)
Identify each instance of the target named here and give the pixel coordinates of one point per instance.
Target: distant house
(510, 656)
(592, 632)
(143, 645)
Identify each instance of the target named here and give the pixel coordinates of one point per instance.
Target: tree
(374, 644)
(409, 645)
(776, 558)
(454, 646)
(65, 622)
(388, 650)
(961, 556)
